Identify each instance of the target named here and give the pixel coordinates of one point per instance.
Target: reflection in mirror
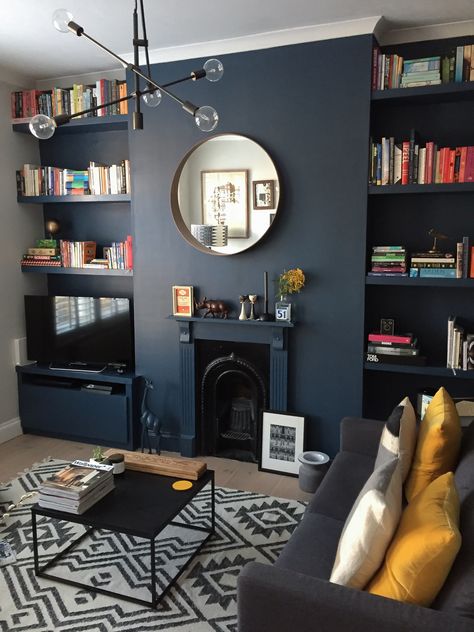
(225, 194)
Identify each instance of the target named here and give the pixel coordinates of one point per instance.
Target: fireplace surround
(244, 399)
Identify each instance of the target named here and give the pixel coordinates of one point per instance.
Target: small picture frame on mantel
(282, 439)
(183, 300)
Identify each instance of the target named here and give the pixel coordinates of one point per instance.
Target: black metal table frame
(155, 598)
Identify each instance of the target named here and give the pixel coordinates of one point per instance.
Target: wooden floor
(22, 452)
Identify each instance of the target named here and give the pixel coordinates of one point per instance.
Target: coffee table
(141, 505)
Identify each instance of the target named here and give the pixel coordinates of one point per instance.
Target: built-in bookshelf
(404, 214)
(105, 218)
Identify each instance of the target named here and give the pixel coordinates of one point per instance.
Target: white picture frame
(282, 438)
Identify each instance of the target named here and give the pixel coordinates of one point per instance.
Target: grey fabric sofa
(294, 594)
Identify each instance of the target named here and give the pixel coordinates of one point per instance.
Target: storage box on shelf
(404, 214)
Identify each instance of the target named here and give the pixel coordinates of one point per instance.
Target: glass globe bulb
(214, 69)
(152, 99)
(61, 18)
(206, 118)
(42, 126)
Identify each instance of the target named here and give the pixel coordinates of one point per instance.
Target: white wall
(20, 226)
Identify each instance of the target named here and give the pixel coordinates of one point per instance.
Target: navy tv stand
(99, 408)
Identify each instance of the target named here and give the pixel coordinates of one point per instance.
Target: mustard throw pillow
(437, 449)
(424, 547)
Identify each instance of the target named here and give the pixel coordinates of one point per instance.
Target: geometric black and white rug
(249, 526)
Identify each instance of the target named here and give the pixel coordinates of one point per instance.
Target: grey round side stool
(313, 467)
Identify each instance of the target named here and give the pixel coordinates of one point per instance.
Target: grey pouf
(313, 467)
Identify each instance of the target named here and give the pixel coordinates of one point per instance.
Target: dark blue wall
(308, 106)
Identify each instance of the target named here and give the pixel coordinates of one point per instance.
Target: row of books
(77, 487)
(395, 349)
(28, 103)
(392, 71)
(408, 162)
(98, 179)
(395, 261)
(460, 346)
(80, 254)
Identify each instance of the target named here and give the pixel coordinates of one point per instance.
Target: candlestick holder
(265, 316)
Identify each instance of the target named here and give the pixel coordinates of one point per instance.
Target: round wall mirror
(225, 194)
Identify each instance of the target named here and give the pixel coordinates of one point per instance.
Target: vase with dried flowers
(289, 282)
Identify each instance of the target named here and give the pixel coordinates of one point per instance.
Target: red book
(429, 162)
(462, 165)
(128, 246)
(402, 339)
(405, 161)
(469, 174)
(449, 174)
(471, 272)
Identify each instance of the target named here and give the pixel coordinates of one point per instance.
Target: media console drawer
(69, 408)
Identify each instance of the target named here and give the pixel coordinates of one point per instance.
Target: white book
(421, 165)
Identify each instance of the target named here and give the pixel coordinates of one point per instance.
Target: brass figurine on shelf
(243, 298)
(436, 235)
(214, 308)
(52, 227)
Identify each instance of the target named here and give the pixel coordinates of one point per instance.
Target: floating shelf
(426, 94)
(234, 321)
(400, 189)
(420, 370)
(419, 282)
(72, 199)
(83, 271)
(79, 126)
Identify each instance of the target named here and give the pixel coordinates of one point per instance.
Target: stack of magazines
(76, 487)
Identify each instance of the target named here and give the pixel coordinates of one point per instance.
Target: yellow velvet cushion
(437, 448)
(424, 547)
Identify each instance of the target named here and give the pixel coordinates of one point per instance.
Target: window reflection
(72, 312)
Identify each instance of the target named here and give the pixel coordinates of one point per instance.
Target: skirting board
(10, 430)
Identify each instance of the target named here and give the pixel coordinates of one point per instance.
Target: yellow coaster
(182, 486)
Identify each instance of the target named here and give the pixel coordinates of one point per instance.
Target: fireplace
(232, 390)
(235, 389)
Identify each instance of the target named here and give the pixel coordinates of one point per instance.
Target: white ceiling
(31, 47)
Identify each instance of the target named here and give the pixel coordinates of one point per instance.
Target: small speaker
(19, 352)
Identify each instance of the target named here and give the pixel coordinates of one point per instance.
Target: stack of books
(433, 264)
(395, 349)
(44, 253)
(425, 71)
(388, 261)
(77, 487)
(460, 346)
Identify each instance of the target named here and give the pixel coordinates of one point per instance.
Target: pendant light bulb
(206, 118)
(61, 19)
(152, 99)
(214, 69)
(42, 126)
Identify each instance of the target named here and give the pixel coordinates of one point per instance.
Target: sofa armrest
(360, 435)
(273, 599)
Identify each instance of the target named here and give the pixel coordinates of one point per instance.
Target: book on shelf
(74, 254)
(393, 350)
(77, 479)
(415, 360)
(434, 273)
(27, 103)
(388, 260)
(376, 337)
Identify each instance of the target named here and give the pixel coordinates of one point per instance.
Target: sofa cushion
(399, 437)
(312, 547)
(424, 547)
(437, 449)
(457, 594)
(341, 485)
(369, 527)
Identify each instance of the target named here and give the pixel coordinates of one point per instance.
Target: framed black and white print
(281, 441)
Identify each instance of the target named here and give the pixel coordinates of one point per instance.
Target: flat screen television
(79, 332)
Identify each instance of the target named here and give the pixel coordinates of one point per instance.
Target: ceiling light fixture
(205, 117)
